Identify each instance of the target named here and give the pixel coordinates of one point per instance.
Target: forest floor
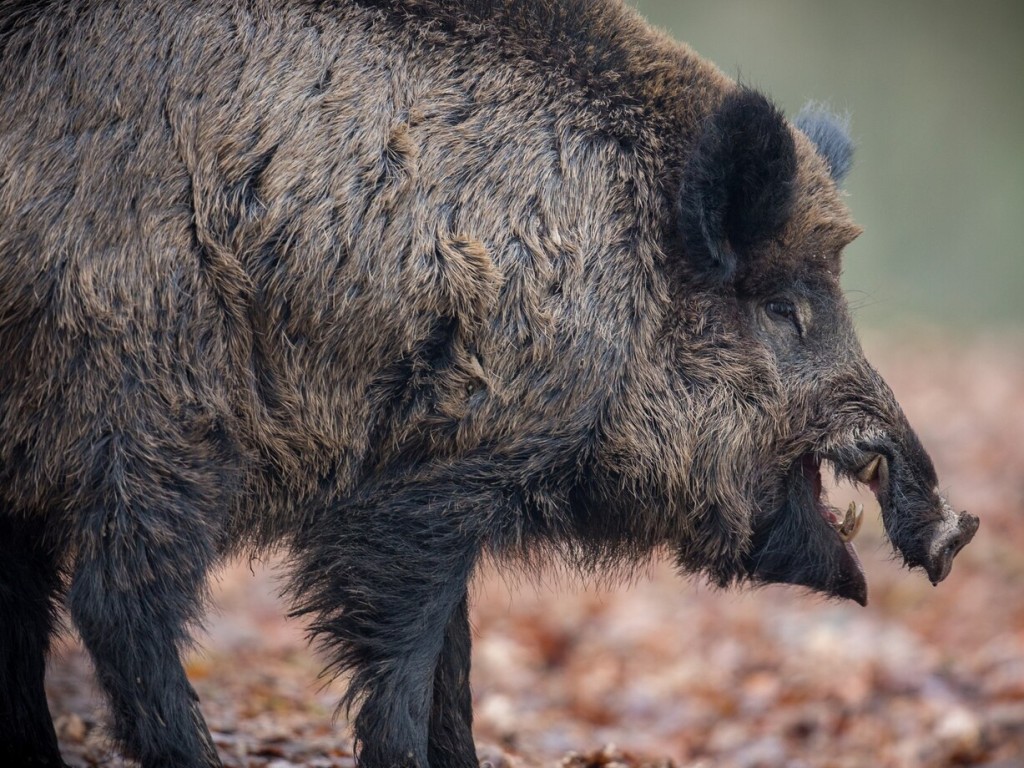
(666, 671)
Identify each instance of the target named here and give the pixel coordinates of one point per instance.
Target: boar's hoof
(950, 538)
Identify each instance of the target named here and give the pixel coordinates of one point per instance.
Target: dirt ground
(668, 672)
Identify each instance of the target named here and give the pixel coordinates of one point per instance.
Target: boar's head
(761, 228)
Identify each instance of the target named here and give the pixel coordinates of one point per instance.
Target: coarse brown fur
(395, 285)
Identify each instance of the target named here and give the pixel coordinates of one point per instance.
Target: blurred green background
(935, 90)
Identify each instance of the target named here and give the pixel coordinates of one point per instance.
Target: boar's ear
(737, 187)
(831, 135)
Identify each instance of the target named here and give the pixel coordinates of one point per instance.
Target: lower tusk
(851, 524)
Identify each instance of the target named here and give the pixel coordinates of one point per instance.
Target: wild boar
(393, 285)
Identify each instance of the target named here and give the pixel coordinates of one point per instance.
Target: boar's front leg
(451, 716)
(385, 579)
(29, 583)
(146, 541)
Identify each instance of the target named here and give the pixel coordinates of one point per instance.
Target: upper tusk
(870, 470)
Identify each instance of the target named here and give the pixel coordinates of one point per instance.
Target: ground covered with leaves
(665, 671)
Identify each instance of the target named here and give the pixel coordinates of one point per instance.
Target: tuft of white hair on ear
(830, 133)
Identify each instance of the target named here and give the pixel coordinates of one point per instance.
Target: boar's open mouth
(808, 541)
(873, 473)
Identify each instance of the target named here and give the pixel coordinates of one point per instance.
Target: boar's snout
(947, 536)
(808, 542)
(918, 520)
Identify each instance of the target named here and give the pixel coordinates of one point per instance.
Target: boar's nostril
(952, 548)
(959, 537)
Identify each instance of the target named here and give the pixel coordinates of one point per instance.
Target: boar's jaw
(807, 542)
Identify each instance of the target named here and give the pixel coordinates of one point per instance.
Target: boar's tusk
(870, 470)
(851, 524)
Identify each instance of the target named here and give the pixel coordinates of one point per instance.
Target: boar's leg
(450, 742)
(137, 584)
(29, 581)
(131, 601)
(382, 577)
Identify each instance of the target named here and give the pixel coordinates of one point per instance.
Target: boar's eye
(785, 310)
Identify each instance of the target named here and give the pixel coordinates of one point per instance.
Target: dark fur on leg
(450, 742)
(383, 578)
(137, 585)
(134, 633)
(29, 582)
